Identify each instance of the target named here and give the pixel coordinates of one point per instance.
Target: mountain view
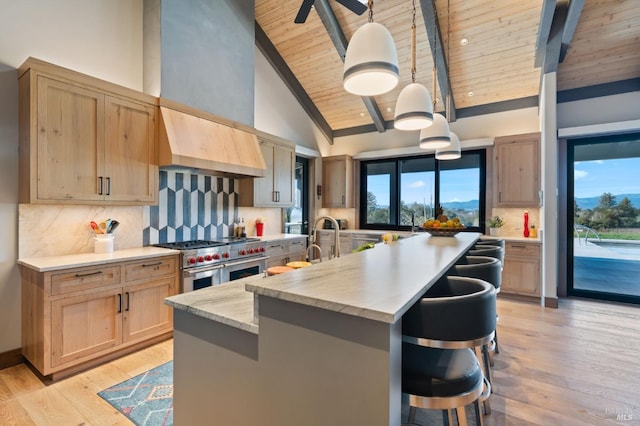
(591, 202)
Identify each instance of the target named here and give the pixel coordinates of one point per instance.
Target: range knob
(250, 251)
(216, 256)
(191, 260)
(225, 254)
(208, 258)
(200, 259)
(261, 249)
(243, 252)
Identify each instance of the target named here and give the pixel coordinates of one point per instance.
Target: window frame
(396, 195)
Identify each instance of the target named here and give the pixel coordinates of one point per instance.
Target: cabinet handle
(119, 303)
(273, 196)
(518, 246)
(277, 196)
(499, 197)
(108, 186)
(88, 274)
(343, 197)
(144, 265)
(100, 185)
(127, 309)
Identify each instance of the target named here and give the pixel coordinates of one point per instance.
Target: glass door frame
(570, 145)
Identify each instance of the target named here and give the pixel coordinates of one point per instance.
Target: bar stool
(277, 270)
(488, 269)
(487, 250)
(491, 242)
(439, 368)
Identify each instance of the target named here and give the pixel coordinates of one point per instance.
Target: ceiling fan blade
(305, 8)
(354, 5)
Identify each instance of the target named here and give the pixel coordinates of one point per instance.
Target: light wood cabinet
(325, 241)
(522, 271)
(84, 141)
(77, 316)
(281, 252)
(337, 182)
(517, 170)
(276, 188)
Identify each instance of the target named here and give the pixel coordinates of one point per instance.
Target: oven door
(197, 278)
(243, 268)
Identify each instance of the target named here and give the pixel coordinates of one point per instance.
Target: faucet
(413, 220)
(335, 248)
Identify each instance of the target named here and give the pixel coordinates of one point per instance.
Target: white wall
(102, 38)
(606, 109)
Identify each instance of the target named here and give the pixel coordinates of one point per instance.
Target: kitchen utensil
(112, 226)
(95, 227)
(103, 227)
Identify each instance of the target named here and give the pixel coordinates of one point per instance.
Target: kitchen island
(319, 345)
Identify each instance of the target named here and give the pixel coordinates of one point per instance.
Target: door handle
(100, 185)
(108, 186)
(119, 303)
(127, 308)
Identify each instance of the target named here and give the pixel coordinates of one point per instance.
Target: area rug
(146, 399)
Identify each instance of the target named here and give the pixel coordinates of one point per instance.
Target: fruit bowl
(442, 232)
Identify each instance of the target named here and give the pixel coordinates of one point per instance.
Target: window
(397, 192)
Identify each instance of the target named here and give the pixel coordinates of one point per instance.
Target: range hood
(199, 142)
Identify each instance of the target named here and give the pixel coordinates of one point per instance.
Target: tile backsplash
(514, 220)
(190, 207)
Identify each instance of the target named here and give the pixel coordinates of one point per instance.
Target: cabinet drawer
(276, 249)
(297, 245)
(84, 279)
(522, 249)
(150, 268)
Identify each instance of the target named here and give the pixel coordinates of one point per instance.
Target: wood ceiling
(510, 42)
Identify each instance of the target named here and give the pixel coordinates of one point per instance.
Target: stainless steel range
(209, 263)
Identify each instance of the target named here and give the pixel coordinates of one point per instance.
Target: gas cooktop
(198, 244)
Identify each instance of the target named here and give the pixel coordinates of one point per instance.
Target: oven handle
(198, 273)
(243, 261)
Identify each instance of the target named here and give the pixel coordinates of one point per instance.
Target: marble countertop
(228, 304)
(379, 284)
(43, 264)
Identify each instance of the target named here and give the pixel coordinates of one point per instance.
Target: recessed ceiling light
(362, 114)
(464, 41)
(469, 93)
(389, 109)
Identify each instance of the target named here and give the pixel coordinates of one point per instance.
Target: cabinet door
(145, 314)
(283, 175)
(85, 325)
(337, 182)
(131, 172)
(264, 192)
(70, 142)
(522, 273)
(518, 170)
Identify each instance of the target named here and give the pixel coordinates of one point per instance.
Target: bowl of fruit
(442, 226)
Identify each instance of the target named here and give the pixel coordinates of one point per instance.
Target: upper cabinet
(337, 181)
(83, 140)
(275, 189)
(517, 170)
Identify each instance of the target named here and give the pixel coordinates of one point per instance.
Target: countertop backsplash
(514, 220)
(55, 230)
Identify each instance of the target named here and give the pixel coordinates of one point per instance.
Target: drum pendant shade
(437, 135)
(371, 61)
(451, 152)
(414, 109)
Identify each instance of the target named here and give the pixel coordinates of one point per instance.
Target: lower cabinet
(75, 316)
(281, 252)
(522, 272)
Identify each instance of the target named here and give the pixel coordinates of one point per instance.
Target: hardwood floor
(576, 365)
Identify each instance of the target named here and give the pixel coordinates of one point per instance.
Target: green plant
(495, 222)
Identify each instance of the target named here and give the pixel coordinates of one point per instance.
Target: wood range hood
(203, 143)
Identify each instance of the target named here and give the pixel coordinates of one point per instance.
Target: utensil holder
(103, 243)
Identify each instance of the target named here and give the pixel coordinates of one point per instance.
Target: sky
(594, 178)
(457, 185)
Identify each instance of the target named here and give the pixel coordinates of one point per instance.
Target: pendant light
(414, 110)
(371, 60)
(451, 152)
(437, 135)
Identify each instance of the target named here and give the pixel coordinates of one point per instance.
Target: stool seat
(275, 270)
(439, 373)
(298, 264)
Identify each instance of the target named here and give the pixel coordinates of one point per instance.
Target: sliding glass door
(603, 217)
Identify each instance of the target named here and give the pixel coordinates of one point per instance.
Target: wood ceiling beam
(434, 33)
(551, 59)
(544, 28)
(279, 65)
(328, 19)
(571, 23)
